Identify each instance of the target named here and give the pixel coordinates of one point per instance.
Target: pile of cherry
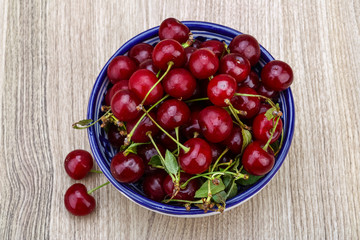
(192, 120)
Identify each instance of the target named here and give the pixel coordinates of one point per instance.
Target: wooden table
(50, 55)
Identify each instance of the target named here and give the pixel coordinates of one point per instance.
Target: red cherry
(152, 185)
(251, 81)
(196, 43)
(277, 75)
(247, 46)
(188, 52)
(145, 126)
(220, 88)
(141, 52)
(216, 124)
(214, 45)
(147, 151)
(262, 128)
(172, 113)
(249, 105)
(203, 63)
(264, 107)
(235, 140)
(167, 142)
(193, 127)
(127, 169)
(120, 68)
(168, 50)
(188, 193)
(123, 105)
(172, 28)
(141, 82)
(264, 91)
(235, 65)
(114, 136)
(78, 163)
(120, 85)
(256, 160)
(77, 201)
(179, 83)
(149, 65)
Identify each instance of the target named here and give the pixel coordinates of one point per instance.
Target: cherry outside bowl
(103, 152)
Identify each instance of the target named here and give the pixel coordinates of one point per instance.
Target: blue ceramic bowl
(103, 152)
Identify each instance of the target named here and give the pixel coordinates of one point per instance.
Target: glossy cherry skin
(264, 91)
(251, 81)
(168, 50)
(220, 88)
(149, 65)
(214, 45)
(188, 52)
(196, 43)
(141, 52)
(192, 127)
(114, 136)
(179, 83)
(247, 46)
(120, 85)
(172, 28)
(77, 201)
(173, 113)
(256, 160)
(147, 151)
(167, 142)
(262, 128)
(277, 75)
(235, 65)
(197, 159)
(235, 140)
(123, 105)
(203, 63)
(216, 124)
(264, 107)
(78, 163)
(249, 105)
(127, 169)
(153, 185)
(187, 193)
(145, 126)
(141, 82)
(120, 68)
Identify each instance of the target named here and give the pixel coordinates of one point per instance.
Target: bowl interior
(103, 151)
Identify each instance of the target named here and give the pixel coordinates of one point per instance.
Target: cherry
(153, 185)
(141, 82)
(123, 105)
(235, 65)
(251, 81)
(77, 201)
(168, 50)
(256, 160)
(262, 128)
(120, 68)
(120, 85)
(264, 107)
(197, 159)
(141, 52)
(172, 113)
(215, 152)
(172, 28)
(145, 125)
(188, 193)
(277, 75)
(179, 83)
(216, 124)
(149, 65)
(196, 43)
(247, 46)
(249, 105)
(214, 45)
(147, 151)
(168, 142)
(192, 128)
(188, 52)
(220, 88)
(264, 91)
(114, 136)
(203, 63)
(127, 169)
(78, 163)
(235, 140)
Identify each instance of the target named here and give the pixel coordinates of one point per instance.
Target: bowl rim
(179, 211)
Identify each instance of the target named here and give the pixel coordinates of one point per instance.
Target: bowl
(103, 152)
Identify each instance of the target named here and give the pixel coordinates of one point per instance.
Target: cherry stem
(158, 73)
(182, 201)
(218, 159)
(281, 142)
(259, 96)
(177, 139)
(95, 171)
(94, 189)
(232, 110)
(272, 134)
(75, 125)
(170, 64)
(189, 42)
(197, 100)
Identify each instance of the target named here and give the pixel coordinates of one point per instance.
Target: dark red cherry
(188, 52)
(172, 113)
(249, 105)
(172, 28)
(179, 83)
(247, 46)
(123, 105)
(203, 63)
(220, 88)
(235, 65)
(214, 45)
(256, 160)
(166, 51)
(120, 85)
(167, 142)
(215, 152)
(277, 75)
(145, 126)
(264, 107)
(114, 136)
(251, 81)
(127, 169)
(197, 159)
(192, 128)
(216, 124)
(77, 201)
(141, 82)
(264, 91)
(147, 151)
(78, 163)
(141, 52)
(262, 128)
(235, 140)
(153, 185)
(196, 43)
(187, 193)
(120, 68)
(149, 65)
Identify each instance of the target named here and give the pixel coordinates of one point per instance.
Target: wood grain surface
(50, 55)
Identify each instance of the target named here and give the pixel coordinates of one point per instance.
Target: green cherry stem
(158, 73)
(272, 134)
(75, 125)
(196, 100)
(183, 201)
(259, 96)
(177, 139)
(94, 189)
(95, 171)
(218, 159)
(281, 142)
(189, 42)
(233, 112)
